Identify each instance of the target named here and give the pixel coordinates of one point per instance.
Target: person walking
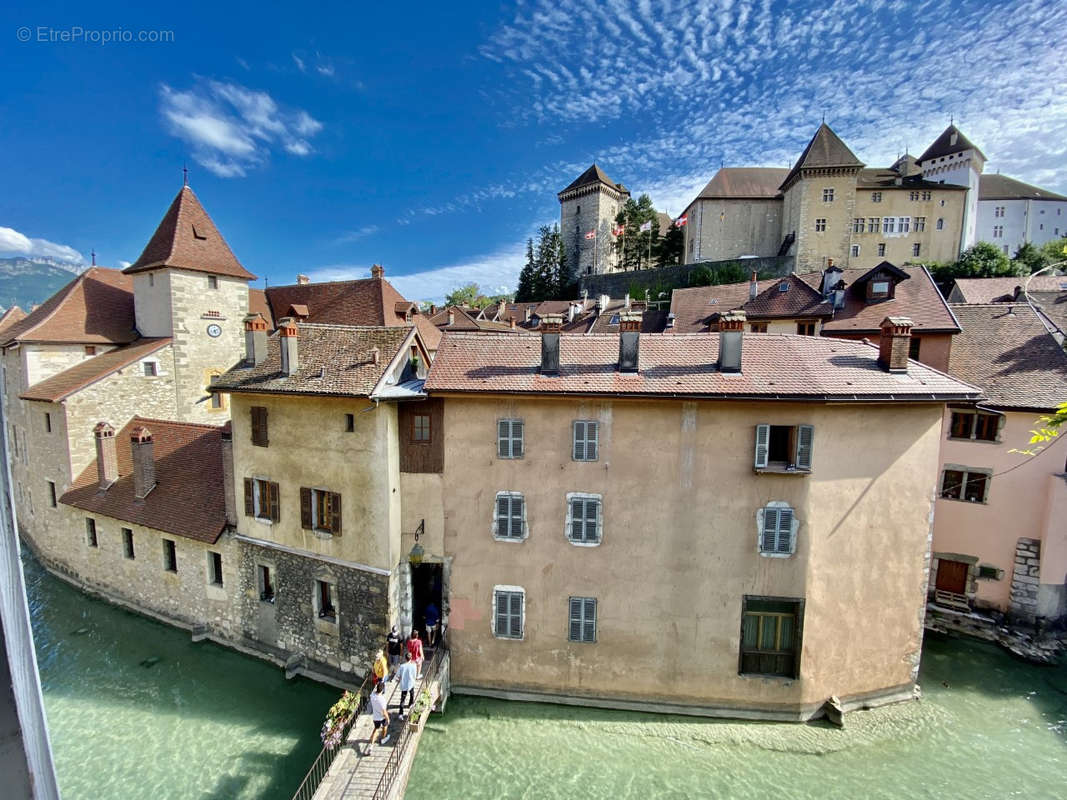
(395, 646)
(405, 675)
(433, 616)
(381, 668)
(415, 650)
(380, 714)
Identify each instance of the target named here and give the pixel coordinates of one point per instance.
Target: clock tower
(188, 286)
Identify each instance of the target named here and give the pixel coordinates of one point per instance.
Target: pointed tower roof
(591, 177)
(186, 238)
(950, 141)
(825, 150)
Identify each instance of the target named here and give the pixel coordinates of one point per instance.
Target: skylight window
(783, 287)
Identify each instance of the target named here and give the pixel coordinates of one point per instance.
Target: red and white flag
(681, 221)
(591, 234)
(618, 230)
(646, 227)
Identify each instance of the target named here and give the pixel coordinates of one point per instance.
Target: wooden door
(952, 576)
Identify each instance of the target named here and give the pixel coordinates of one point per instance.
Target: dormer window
(880, 287)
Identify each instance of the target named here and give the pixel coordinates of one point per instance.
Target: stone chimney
(228, 488)
(502, 309)
(753, 286)
(512, 321)
(287, 337)
(626, 301)
(602, 303)
(107, 464)
(731, 331)
(433, 309)
(551, 326)
(894, 344)
(377, 271)
(629, 340)
(144, 462)
(528, 313)
(255, 339)
(302, 280)
(451, 317)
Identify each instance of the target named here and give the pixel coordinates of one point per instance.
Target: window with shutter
(509, 516)
(259, 426)
(763, 435)
(250, 508)
(335, 513)
(776, 524)
(805, 434)
(509, 442)
(508, 610)
(586, 435)
(584, 518)
(306, 521)
(784, 448)
(771, 636)
(582, 619)
(275, 503)
(264, 498)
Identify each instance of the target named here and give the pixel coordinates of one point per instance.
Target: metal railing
(396, 757)
(322, 764)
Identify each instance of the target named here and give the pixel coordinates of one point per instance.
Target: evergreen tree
(1029, 258)
(671, 247)
(525, 291)
(633, 244)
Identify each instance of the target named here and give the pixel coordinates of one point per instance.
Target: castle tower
(953, 159)
(590, 203)
(188, 285)
(819, 201)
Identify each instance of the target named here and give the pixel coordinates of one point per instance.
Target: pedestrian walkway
(382, 774)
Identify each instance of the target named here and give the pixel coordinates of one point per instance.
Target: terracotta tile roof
(825, 150)
(773, 366)
(1001, 290)
(186, 238)
(887, 177)
(466, 319)
(91, 370)
(694, 308)
(796, 300)
(760, 183)
(950, 141)
(1006, 350)
(1054, 306)
(430, 333)
(257, 304)
(188, 499)
(94, 308)
(593, 176)
(10, 317)
(1000, 187)
(652, 321)
(333, 360)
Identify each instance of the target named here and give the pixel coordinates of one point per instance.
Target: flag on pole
(618, 230)
(646, 227)
(591, 234)
(681, 221)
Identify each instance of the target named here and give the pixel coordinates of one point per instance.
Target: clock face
(214, 331)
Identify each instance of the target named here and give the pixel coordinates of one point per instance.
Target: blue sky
(433, 138)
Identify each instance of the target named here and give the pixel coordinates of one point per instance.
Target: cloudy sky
(432, 139)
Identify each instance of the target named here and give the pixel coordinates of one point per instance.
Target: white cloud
(123, 264)
(355, 235)
(13, 243)
(232, 128)
(299, 63)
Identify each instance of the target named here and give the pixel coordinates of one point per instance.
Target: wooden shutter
(259, 426)
(592, 436)
(515, 613)
(305, 508)
(501, 614)
(275, 508)
(577, 520)
(503, 515)
(589, 620)
(515, 530)
(579, 441)
(335, 513)
(250, 508)
(592, 509)
(516, 438)
(503, 438)
(576, 619)
(805, 436)
(763, 441)
(770, 530)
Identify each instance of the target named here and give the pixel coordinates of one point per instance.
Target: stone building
(727, 524)
(1012, 213)
(1000, 541)
(831, 208)
(589, 205)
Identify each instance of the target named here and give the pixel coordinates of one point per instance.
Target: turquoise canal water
(988, 727)
(136, 710)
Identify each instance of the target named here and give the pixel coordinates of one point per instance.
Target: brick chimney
(287, 337)
(377, 271)
(144, 462)
(228, 488)
(731, 330)
(753, 286)
(302, 280)
(894, 344)
(629, 340)
(255, 339)
(551, 326)
(512, 321)
(107, 465)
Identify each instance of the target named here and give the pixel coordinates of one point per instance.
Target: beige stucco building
(688, 523)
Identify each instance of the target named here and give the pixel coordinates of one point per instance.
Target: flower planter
(417, 723)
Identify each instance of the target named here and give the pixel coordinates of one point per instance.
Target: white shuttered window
(586, 440)
(784, 448)
(509, 438)
(777, 526)
(584, 518)
(583, 619)
(509, 516)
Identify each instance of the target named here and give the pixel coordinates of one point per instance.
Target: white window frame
(889, 224)
(778, 506)
(903, 224)
(820, 225)
(568, 529)
(512, 496)
(261, 513)
(154, 364)
(586, 426)
(582, 620)
(505, 588)
(828, 195)
(857, 224)
(876, 197)
(855, 250)
(508, 452)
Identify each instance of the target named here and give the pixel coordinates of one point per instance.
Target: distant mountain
(27, 282)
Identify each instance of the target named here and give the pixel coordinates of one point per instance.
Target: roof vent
(551, 325)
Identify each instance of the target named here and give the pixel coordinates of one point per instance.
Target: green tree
(983, 260)
(1029, 259)
(464, 295)
(525, 291)
(1055, 251)
(671, 247)
(633, 244)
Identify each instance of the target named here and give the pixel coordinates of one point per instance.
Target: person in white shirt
(405, 673)
(380, 715)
